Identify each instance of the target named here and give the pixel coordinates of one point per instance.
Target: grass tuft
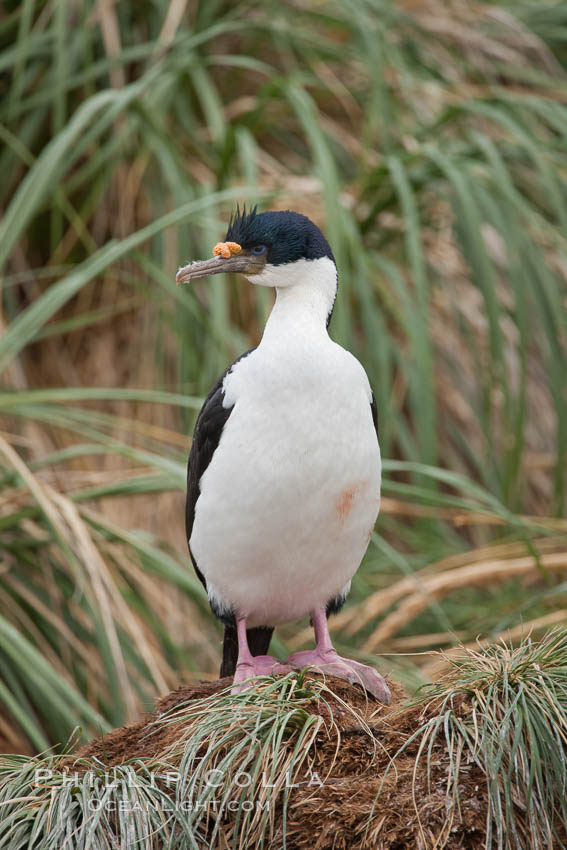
(477, 757)
(219, 756)
(504, 709)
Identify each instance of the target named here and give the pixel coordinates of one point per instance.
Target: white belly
(291, 495)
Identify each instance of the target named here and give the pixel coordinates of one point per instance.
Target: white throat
(305, 294)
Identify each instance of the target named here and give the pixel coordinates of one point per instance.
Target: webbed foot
(329, 661)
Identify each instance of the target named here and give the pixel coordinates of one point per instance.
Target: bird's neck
(304, 308)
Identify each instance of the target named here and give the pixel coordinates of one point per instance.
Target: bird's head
(278, 249)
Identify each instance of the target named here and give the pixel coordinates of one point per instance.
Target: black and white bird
(283, 484)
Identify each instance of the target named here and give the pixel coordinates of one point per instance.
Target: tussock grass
(505, 709)
(219, 755)
(75, 650)
(475, 760)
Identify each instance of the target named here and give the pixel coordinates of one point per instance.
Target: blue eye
(258, 250)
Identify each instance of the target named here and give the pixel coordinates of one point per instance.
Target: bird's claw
(260, 665)
(330, 662)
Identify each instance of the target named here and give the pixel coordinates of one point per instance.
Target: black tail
(258, 641)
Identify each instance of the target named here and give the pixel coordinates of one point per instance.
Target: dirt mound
(350, 792)
(148, 739)
(304, 762)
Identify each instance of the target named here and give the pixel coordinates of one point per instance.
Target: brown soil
(335, 806)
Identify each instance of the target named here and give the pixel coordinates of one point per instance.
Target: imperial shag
(283, 484)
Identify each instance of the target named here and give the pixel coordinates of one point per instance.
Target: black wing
(212, 418)
(374, 410)
(208, 429)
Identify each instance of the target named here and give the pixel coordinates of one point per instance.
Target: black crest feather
(240, 224)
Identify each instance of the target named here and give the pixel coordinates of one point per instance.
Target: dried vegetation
(477, 760)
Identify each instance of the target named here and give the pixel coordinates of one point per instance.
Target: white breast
(292, 492)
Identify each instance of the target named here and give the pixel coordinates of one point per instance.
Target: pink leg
(249, 665)
(326, 658)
